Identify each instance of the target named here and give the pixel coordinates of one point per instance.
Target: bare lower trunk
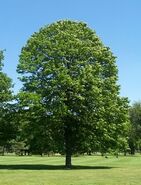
(132, 151)
(68, 161)
(132, 147)
(3, 150)
(68, 146)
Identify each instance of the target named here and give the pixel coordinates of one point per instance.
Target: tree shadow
(50, 167)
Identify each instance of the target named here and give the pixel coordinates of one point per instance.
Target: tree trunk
(132, 151)
(68, 146)
(125, 152)
(132, 147)
(68, 161)
(3, 150)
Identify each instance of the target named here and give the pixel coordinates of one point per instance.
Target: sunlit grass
(87, 170)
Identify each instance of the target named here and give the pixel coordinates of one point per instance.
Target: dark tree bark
(68, 163)
(68, 146)
(3, 150)
(132, 151)
(132, 147)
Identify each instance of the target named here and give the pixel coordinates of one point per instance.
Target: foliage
(68, 73)
(7, 111)
(34, 124)
(5, 84)
(135, 130)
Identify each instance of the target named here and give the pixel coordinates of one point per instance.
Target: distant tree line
(134, 140)
(69, 103)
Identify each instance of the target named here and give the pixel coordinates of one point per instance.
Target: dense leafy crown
(5, 83)
(67, 54)
(66, 68)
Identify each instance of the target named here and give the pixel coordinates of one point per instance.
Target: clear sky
(116, 22)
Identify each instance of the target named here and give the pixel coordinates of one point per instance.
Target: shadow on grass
(50, 167)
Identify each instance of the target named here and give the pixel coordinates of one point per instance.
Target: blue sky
(116, 22)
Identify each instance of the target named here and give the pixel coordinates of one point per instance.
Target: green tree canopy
(5, 83)
(67, 71)
(135, 130)
(7, 127)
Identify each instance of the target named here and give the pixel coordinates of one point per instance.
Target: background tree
(74, 77)
(7, 111)
(5, 84)
(135, 129)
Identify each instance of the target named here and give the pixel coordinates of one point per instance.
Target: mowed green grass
(87, 170)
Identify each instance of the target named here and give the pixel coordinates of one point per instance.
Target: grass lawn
(88, 170)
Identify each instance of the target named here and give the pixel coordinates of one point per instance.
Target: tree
(135, 129)
(7, 126)
(73, 77)
(5, 84)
